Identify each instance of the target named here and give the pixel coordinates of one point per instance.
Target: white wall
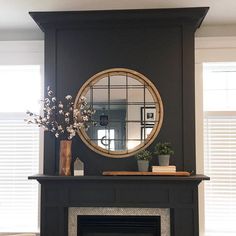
(216, 31)
(21, 35)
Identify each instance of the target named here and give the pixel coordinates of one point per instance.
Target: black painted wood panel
(154, 52)
(157, 43)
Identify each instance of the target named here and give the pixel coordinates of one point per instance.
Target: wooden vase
(65, 158)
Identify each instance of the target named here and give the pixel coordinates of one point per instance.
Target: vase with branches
(63, 120)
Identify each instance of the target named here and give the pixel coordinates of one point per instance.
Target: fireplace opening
(118, 226)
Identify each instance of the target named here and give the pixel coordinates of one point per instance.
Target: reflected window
(106, 139)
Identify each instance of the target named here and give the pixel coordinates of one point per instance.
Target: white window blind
(19, 148)
(220, 165)
(220, 148)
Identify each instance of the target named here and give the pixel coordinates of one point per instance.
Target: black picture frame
(148, 115)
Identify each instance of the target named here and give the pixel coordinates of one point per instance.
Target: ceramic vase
(164, 160)
(143, 165)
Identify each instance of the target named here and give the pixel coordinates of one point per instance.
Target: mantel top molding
(193, 16)
(193, 178)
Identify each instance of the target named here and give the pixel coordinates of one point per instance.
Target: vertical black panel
(51, 222)
(189, 158)
(63, 226)
(196, 213)
(183, 222)
(50, 159)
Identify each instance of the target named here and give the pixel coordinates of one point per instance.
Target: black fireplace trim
(196, 178)
(120, 18)
(179, 194)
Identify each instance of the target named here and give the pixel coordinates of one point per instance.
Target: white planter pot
(143, 165)
(164, 160)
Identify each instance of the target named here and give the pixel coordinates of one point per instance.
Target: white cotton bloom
(50, 93)
(85, 118)
(60, 105)
(47, 101)
(59, 128)
(68, 97)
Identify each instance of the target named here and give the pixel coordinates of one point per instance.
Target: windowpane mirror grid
(127, 105)
(220, 148)
(100, 95)
(118, 95)
(137, 94)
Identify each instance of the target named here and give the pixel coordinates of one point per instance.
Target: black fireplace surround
(158, 43)
(179, 194)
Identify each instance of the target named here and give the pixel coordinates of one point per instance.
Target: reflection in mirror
(128, 114)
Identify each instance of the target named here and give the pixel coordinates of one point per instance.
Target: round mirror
(129, 112)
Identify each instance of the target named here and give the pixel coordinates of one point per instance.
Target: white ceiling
(14, 13)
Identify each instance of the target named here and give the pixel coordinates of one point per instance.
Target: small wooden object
(132, 173)
(78, 167)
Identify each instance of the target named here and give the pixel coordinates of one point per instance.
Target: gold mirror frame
(157, 100)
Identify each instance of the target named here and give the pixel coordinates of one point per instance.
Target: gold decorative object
(65, 158)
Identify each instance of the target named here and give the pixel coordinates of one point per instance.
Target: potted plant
(163, 151)
(143, 158)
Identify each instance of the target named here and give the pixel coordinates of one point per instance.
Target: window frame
(207, 49)
(26, 53)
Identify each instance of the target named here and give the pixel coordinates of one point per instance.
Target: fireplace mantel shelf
(40, 178)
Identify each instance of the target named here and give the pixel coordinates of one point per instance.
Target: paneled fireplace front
(173, 199)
